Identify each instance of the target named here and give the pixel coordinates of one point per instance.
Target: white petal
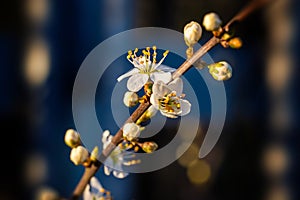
(107, 171)
(127, 74)
(154, 101)
(160, 89)
(161, 76)
(151, 111)
(168, 114)
(185, 107)
(165, 68)
(137, 81)
(87, 193)
(120, 174)
(176, 85)
(95, 183)
(105, 136)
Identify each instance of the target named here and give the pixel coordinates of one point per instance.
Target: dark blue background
(72, 30)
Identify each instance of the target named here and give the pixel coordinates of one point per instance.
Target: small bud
(72, 138)
(212, 22)
(220, 71)
(148, 114)
(235, 43)
(149, 147)
(130, 99)
(79, 155)
(131, 131)
(226, 36)
(94, 154)
(192, 33)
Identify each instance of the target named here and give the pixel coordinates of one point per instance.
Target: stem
(93, 168)
(197, 55)
(252, 6)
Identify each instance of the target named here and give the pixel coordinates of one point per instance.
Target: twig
(248, 9)
(93, 168)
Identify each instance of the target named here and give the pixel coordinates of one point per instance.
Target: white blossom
(192, 33)
(211, 21)
(146, 68)
(220, 71)
(168, 99)
(95, 191)
(72, 138)
(131, 131)
(79, 155)
(117, 158)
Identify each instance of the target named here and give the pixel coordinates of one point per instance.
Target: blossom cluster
(161, 91)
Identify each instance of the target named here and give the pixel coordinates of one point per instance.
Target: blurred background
(43, 44)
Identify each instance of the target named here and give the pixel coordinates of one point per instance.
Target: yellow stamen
(136, 148)
(102, 190)
(166, 53)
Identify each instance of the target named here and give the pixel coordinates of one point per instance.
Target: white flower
(95, 191)
(130, 99)
(79, 155)
(168, 99)
(192, 33)
(72, 138)
(145, 68)
(117, 158)
(220, 71)
(211, 21)
(131, 131)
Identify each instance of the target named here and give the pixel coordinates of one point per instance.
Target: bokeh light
(199, 171)
(37, 62)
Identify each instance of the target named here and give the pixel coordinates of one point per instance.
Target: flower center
(144, 63)
(169, 103)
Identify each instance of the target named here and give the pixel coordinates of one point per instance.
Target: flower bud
(79, 155)
(130, 99)
(131, 131)
(212, 21)
(94, 154)
(235, 43)
(220, 71)
(72, 138)
(149, 147)
(192, 33)
(148, 114)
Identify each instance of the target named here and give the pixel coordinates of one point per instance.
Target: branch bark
(91, 170)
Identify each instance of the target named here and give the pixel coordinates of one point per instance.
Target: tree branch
(91, 170)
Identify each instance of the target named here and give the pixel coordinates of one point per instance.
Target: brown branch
(248, 9)
(91, 170)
